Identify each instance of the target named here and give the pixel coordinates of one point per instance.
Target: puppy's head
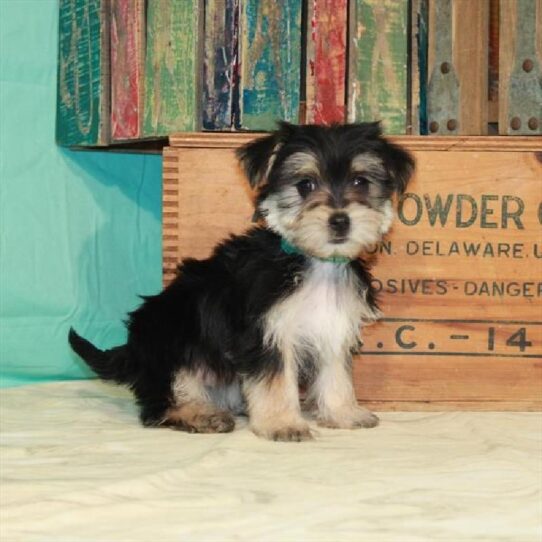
(327, 190)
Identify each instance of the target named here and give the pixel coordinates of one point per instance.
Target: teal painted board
(419, 24)
(80, 231)
(173, 67)
(83, 73)
(270, 62)
(377, 88)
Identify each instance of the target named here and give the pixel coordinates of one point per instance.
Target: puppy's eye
(359, 181)
(305, 187)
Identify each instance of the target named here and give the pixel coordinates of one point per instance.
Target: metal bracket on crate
(525, 85)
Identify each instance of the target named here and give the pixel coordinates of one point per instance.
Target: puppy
(277, 307)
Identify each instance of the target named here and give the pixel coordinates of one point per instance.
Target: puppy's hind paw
(200, 422)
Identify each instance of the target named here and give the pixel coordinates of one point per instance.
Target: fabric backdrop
(79, 230)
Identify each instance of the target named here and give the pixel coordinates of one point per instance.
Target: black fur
(335, 146)
(209, 320)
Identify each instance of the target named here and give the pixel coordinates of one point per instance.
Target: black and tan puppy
(280, 305)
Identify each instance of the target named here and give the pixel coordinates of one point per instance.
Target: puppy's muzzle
(339, 224)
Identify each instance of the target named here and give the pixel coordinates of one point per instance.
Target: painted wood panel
(220, 106)
(377, 79)
(417, 88)
(520, 67)
(173, 67)
(127, 68)
(83, 73)
(326, 61)
(270, 62)
(457, 95)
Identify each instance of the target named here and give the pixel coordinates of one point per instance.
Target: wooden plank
(417, 110)
(377, 82)
(471, 42)
(127, 68)
(270, 62)
(172, 69)
(221, 65)
(493, 63)
(480, 312)
(83, 73)
(326, 61)
(417, 143)
(520, 67)
(458, 66)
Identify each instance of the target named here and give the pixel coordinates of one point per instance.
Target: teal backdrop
(79, 230)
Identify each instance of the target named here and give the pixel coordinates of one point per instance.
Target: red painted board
(127, 65)
(326, 61)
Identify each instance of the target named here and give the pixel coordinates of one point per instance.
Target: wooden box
(460, 275)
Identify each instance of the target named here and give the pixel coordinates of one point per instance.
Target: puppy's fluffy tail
(113, 364)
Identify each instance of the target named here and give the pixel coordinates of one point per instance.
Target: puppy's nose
(339, 223)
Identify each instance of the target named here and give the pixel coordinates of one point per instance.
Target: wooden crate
(460, 274)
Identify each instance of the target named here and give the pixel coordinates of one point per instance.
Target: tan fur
(273, 405)
(301, 163)
(195, 410)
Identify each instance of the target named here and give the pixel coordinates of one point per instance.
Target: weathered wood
(480, 312)
(173, 67)
(270, 62)
(326, 61)
(417, 87)
(377, 82)
(221, 65)
(493, 63)
(83, 73)
(458, 66)
(520, 67)
(417, 143)
(127, 68)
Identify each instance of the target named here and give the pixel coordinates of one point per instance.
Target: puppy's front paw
(349, 418)
(287, 433)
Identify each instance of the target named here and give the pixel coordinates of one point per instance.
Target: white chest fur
(322, 317)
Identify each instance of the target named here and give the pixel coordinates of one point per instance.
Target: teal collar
(287, 247)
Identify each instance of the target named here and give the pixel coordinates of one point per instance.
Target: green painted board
(270, 62)
(173, 67)
(377, 79)
(83, 73)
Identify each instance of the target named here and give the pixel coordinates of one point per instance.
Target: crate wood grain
(127, 68)
(221, 65)
(457, 95)
(172, 68)
(459, 276)
(377, 80)
(83, 90)
(326, 61)
(270, 62)
(520, 67)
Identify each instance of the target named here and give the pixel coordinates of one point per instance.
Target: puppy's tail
(113, 364)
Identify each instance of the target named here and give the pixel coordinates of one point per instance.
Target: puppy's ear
(257, 157)
(400, 165)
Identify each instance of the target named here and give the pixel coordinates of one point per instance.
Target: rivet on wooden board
(433, 126)
(451, 125)
(445, 67)
(527, 65)
(533, 123)
(515, 123)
